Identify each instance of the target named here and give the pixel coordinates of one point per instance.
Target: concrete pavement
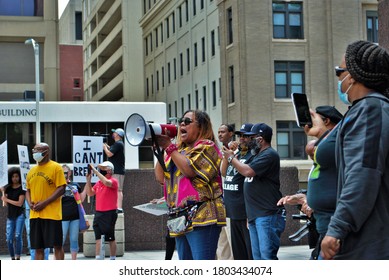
(285, 253)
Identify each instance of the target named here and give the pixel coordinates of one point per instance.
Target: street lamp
(35, 45)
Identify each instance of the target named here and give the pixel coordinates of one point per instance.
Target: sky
(61, 6)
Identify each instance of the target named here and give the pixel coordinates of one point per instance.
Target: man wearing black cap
(262, 192)
(234, 199)
(115, 154)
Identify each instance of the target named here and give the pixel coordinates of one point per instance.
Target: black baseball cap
(244, 129)
(330, 112)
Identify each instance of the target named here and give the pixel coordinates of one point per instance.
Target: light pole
(35, 45)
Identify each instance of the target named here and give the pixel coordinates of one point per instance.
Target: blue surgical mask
(343, 96)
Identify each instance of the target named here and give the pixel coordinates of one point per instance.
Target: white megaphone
(137, 129)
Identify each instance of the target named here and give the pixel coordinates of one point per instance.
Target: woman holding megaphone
(192, 187)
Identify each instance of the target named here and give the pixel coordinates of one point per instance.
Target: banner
(86, 149)
(3, 164)
(24, 163)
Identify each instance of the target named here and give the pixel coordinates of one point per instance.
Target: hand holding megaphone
(137, 129)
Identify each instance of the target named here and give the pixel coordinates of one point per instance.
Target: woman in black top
(13, 198)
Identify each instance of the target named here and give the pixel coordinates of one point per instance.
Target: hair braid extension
(368, 64)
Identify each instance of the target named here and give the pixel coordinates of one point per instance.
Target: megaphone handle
(157, 152)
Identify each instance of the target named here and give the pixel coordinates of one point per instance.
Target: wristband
(170, 149)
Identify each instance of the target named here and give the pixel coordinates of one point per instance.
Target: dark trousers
(240, 240)
(170, 246)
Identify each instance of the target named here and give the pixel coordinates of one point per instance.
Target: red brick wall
(70, 69)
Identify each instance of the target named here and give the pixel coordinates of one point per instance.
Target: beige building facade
(270, 49)
(113, 65)
(181, 53)
(20, 20)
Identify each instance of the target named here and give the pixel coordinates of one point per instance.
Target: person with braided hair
(359, 228)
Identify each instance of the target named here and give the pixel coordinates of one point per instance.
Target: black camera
(105, 136)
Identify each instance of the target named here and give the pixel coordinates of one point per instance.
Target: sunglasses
(187, 121)
(245, 136)
(339, 71)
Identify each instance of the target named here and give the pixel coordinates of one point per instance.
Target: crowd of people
(224, 197)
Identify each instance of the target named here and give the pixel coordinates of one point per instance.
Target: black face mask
(103, 172)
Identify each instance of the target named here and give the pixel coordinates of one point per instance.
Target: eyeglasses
(187, 121)
(339, 71)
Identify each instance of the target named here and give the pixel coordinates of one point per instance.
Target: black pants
(170, 246)
(240, 240)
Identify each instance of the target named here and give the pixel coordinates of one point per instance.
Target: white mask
(38, 156)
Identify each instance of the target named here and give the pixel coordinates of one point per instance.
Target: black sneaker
(119, 211)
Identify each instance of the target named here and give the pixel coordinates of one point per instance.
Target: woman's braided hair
(368, 64)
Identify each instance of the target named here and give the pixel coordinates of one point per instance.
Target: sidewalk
(285, 253)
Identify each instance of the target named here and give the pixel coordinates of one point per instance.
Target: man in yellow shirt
(45, 185)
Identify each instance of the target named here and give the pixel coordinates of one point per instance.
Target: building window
(147, 46)
(151, 42)
(180, 16)
(203, 49)
(78, 25)
(181, 65)
(194, 7)
(168, 73)
(213, 47)
(201, 4)
(76, 83)
(214, 93)
(182, 106)
(174, 22)
(152, 84)
(197, 98)
(229, 26)
(291, 140)
(372, 26)
(157, 81)
(170, 110)
(175, 68)
(156, 37)
(187, 60)
(186, 11)
(147, 87)
(167, 28)
(161, 28)
(204, 98)
(288, 77)
(189, 102)
(287, 20)
(231, 97)
(195, 54)
(175, 108)
(163, 76)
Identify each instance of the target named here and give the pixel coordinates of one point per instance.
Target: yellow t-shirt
(42, 181)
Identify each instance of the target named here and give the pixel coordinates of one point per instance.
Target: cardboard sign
(24, 163)
(3, 164)
(86, 149)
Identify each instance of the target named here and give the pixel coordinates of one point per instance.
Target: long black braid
(368, 64)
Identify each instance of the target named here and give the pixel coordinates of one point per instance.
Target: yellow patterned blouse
(206, 186)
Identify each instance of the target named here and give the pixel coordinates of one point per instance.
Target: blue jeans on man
(265, 235)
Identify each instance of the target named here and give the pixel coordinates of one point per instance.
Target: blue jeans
(199, 244)
(74, 228)
(15, 231)
(27, 225)
(265, 235)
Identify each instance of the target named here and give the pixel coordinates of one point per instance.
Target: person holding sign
(45, 185)
(70, 214)
(106, 192)
(13, 198)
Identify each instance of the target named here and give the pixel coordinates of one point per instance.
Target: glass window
(287, 20)
(372, 26)
(21, 8)
(231, 98)
(288, 78)
(229, 27)
(291, 140)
